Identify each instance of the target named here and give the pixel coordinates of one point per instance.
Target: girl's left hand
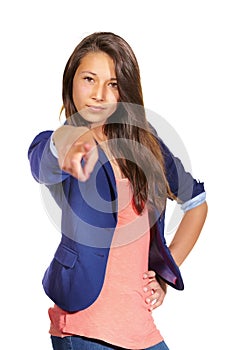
(154, 293)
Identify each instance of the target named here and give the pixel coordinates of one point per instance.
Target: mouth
(95, 108)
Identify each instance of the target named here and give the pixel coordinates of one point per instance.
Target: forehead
(97, 63)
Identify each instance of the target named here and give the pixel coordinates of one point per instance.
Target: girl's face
(95, 91)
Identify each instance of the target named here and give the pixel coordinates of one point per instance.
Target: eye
(113, 85)
(89, 79)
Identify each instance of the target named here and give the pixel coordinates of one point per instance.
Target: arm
(183, 242)
(190, 194)
(188, 232)
(55, 155)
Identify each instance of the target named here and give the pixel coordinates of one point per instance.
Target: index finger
(90, 158)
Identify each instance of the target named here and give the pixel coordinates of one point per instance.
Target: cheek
(113, 97)
(80, 93)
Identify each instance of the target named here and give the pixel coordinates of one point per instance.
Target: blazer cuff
(53, 147)
(194, 202)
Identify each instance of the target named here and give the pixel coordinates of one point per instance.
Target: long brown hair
(134, 146)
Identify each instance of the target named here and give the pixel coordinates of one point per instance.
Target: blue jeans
(82, 343)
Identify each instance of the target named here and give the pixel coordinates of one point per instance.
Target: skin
(95, 92)
(95, 95)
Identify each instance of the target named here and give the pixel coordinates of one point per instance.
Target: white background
(185, 52)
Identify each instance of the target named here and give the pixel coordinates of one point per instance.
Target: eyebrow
(89, 72)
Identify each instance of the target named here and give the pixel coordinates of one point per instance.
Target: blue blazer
(75, 277)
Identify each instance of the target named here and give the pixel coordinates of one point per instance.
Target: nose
(98, 92)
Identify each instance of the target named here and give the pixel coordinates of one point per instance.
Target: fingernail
(148, 300)
(145, 289)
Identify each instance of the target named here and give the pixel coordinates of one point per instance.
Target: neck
(98, 133)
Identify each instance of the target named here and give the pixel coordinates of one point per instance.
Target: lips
(95, 108)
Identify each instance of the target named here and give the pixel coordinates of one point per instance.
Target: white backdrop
(185, 52)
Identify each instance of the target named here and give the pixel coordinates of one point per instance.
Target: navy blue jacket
(76, 274)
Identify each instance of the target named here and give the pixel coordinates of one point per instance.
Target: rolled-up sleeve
(194, 202)
(188, 191)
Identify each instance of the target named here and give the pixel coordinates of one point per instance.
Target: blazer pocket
(66, 256)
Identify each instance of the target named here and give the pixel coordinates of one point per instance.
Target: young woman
(111, 175)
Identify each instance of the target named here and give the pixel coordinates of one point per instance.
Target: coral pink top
(120, 315)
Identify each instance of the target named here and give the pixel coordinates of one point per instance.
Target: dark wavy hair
(133, 145)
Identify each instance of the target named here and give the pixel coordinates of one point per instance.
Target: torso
(120, 315)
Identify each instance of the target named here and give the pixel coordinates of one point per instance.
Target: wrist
(162, 283)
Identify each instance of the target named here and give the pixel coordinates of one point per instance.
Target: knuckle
(65, 167)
